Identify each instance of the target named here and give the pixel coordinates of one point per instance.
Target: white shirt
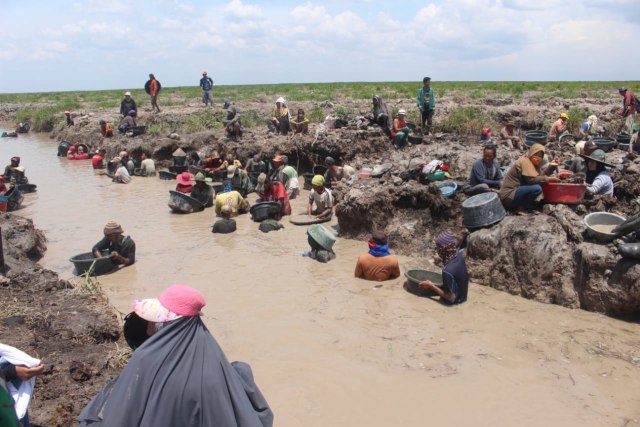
(122, 175)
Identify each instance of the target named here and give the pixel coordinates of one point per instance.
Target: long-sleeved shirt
(127, 105)
(558, 127)
(481, 174)
(602, 185)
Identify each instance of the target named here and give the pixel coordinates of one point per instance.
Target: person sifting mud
(629, 112)
(292, 185)
(127, 105)
(522, 183)
(179, 375)
(400, 131)
(214, 162)
(97, 161)
(152, 87)
(426, 103)
(206, 86)
(238, 179)
(578, 165)
(377, 264)
(234, 200)
(455, 277)
(277, 173)
(233, 124)
(106, 129)
(485, 173)
(127, 122)
(185, 183)
(321, 241)
(335, 173)
(510, 136)
(121, 249)
(597, 178)
(380, 115)
(280, 117)
(10, 169)
(274, 191)
(320, 197)
(559, 128)
(121, 174)
(255, 166)
(147, 165)
(590, 127)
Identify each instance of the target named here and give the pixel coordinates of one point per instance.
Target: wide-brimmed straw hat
(184, 178)
(201, 178)
(322, 236)
(597, 156)
(174, 302)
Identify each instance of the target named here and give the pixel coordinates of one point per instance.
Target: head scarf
(446, 246)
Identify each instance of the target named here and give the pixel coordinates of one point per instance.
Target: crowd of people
(167, 369)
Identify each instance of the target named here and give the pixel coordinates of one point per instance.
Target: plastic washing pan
(416, 276)
(448, 188)
(482, 210)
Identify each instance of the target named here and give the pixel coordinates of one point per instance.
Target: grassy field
(49, 105)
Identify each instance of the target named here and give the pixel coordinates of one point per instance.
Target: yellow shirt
(233, 199)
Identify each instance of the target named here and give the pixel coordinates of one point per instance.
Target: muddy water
(330, 350)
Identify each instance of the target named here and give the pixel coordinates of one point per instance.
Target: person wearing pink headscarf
(455, 277)
(178, 375)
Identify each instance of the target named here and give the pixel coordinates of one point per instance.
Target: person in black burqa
(178, 375)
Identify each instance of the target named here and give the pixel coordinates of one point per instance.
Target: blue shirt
(455, 278)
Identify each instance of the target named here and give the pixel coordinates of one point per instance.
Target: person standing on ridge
(427, 103)
(629, 110)
(206, 85)
(153, 87)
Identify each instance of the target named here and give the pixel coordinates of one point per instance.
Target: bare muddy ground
(71, 327)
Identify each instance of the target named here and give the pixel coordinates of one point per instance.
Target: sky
(113, 44)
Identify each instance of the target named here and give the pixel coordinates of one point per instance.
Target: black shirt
(455, 278)
(125, 247)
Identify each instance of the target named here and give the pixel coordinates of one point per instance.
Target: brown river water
(331, 350)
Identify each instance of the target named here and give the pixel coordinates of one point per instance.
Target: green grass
(46, 109)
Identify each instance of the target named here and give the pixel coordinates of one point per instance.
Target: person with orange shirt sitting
(106, 129)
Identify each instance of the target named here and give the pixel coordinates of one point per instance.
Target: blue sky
(115, 44)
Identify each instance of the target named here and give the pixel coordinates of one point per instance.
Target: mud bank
(413, 212)
(71, 327)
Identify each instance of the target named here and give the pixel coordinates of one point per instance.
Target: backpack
(206, 85)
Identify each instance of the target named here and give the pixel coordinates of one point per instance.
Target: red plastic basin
(563, 193)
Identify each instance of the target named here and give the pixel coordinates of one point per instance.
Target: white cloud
(204, 39)
(49, 50)
(102, 6)
(239, 10)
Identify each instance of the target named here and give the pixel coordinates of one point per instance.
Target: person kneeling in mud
(321, 197)
(321, 241)
(122, 250)
(455, 277)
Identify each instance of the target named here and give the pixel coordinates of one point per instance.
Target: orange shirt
(377, 268)
(153, 87)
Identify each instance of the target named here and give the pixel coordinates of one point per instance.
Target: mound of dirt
(71, 327)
